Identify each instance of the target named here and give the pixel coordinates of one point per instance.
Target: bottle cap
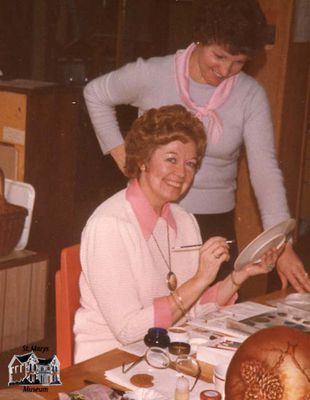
(210, 395)
(178, 348)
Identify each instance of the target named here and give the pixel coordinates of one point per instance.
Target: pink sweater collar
(144, 212)
(215, 126)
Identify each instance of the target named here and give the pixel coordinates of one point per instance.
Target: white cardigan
(122, 274)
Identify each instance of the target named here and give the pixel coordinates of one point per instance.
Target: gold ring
(306, 274)
(270, 267)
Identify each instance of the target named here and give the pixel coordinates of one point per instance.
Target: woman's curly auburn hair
(157, 127)
(238, 25)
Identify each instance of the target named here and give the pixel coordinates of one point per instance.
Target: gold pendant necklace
(171, 278)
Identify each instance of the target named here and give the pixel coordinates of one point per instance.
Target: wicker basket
(12, 220)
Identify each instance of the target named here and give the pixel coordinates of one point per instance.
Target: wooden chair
(67, 302)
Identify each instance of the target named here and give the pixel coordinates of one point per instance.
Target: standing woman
(207, 78)
(131, 278)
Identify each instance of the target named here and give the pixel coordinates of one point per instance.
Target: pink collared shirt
(144, 212)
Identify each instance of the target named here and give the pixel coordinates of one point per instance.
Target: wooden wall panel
(13, 117)
(23, 297)
(2, 303)
(47, 117)
(284, 74)
(16, 307)
(272, 75)
(37, 302)
(292, 141)
(305, 209)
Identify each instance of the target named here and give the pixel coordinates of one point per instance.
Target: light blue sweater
(246, 119)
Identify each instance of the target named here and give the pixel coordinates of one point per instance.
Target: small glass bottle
(182, 389)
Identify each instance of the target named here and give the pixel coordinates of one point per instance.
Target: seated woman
(131, 278)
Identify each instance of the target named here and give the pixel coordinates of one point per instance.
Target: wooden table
(73, 377)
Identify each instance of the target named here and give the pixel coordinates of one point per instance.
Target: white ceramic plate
(272, 237)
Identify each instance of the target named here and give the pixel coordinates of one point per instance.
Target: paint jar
(157, 337)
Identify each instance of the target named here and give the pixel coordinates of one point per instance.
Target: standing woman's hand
(291, 270)
(211, 255)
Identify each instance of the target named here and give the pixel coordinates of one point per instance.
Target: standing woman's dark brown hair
(238, 25)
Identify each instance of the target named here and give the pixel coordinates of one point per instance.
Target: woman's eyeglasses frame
(170, 363)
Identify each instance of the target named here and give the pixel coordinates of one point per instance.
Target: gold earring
(142, 168)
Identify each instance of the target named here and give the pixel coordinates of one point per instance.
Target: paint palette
(297, 319)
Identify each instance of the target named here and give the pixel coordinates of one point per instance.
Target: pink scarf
(215, 126)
